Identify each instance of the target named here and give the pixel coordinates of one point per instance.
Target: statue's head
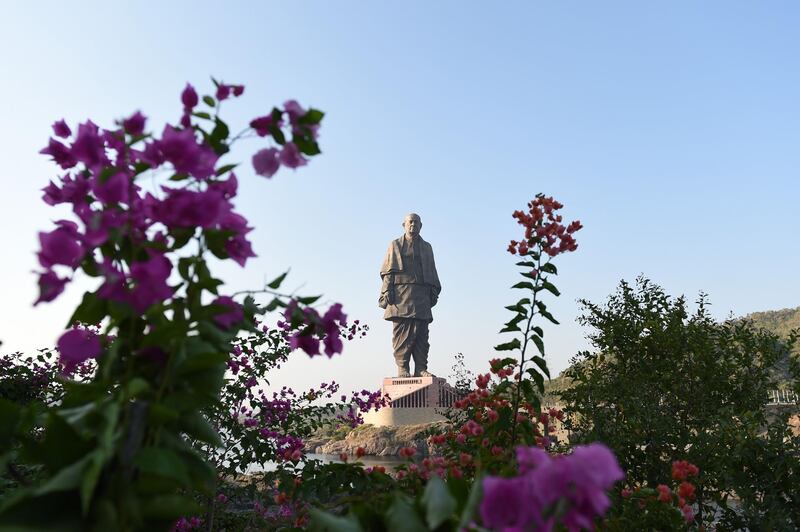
(412, 224)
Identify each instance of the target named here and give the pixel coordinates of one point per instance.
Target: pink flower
(291, 157)
(223, 91)
(77, 346)
(664, 493)
(71, 191)
(233, 315)
(189, 97)
(265, 162)
(113, 190)
(61, 129)
(89, 147)
(134, 124)
(293, 109)
(180, 148)
(151, 282)
(50, 286)
(506, 504)
(61, 246)
(306, 342)
(262, 125)
(187, 208)
(688, 513)
(60, 153)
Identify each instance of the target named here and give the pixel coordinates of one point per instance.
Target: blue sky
(669, 129)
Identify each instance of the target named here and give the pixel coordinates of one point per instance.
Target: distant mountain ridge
(779, 322)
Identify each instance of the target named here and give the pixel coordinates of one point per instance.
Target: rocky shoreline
(376, 441)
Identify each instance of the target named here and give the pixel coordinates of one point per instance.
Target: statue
(409, 289)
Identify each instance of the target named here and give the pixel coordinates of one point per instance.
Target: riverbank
(375, 441)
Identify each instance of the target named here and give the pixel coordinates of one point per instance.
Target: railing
(782, 397)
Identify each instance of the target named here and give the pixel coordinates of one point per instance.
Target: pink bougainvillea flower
(89, 147)
(506, 504)
(151, 282)
(61, 129)
(238, 90)
(233, 315)
(77, 346)
(189, 97)
(294, 110)
(228, 187)
(180, 148)
(113, 190)
(73, 190)
(262, 125)
(50, 286)
(61, 246)
(239, 249)
(134, 125)
(61, 155)
(265, 162)
(307, 342)
(331, 322)
(291, 157)
(187, 208)
(223, 91)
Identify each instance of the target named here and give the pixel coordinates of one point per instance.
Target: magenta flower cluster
(101, 169)
(569, 490)
(310, 327)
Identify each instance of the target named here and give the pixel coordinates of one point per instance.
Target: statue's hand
(434, 298)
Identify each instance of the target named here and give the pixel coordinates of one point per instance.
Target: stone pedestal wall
(412, 400)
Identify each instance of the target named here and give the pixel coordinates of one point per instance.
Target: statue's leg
(420, 347)
(402, 342)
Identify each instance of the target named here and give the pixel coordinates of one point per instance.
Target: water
(389, 462)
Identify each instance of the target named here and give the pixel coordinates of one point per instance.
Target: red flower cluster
(543, 228)
(681, 469)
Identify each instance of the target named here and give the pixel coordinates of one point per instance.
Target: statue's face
(412, 225)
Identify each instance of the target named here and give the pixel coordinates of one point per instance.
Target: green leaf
(309, 300)
(511, 325)
(162, 462)
(209, 101)
(202, 114)
(91, 310)
(527, 264)
(524, 284)
(543, 311)
(197, 426)
(324, 521)
(169, 507)
(9, 419)
(402, 517)
(542, 363)
(276, 283)
(539, 343)
(508, 346)
(549, 267)
(66, 479)
(89, 482)
(312, 116)
(546, 285)
(439, 504)
(474, 499)
(225, 169)
(538, 330)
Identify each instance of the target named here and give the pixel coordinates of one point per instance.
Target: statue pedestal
(412, 401)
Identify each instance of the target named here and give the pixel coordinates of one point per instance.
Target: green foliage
(662, 384)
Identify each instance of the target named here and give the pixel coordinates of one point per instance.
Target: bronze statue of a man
(410, 288)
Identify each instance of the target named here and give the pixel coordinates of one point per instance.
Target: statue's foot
(403, 372)
(425, 373)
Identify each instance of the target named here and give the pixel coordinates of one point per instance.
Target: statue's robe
(410, 288)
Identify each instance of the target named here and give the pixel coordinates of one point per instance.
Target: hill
(781, 323)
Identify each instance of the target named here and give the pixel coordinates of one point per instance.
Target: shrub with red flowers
(116, 453)
(665, 507)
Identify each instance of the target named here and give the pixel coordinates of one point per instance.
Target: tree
(663, 385)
